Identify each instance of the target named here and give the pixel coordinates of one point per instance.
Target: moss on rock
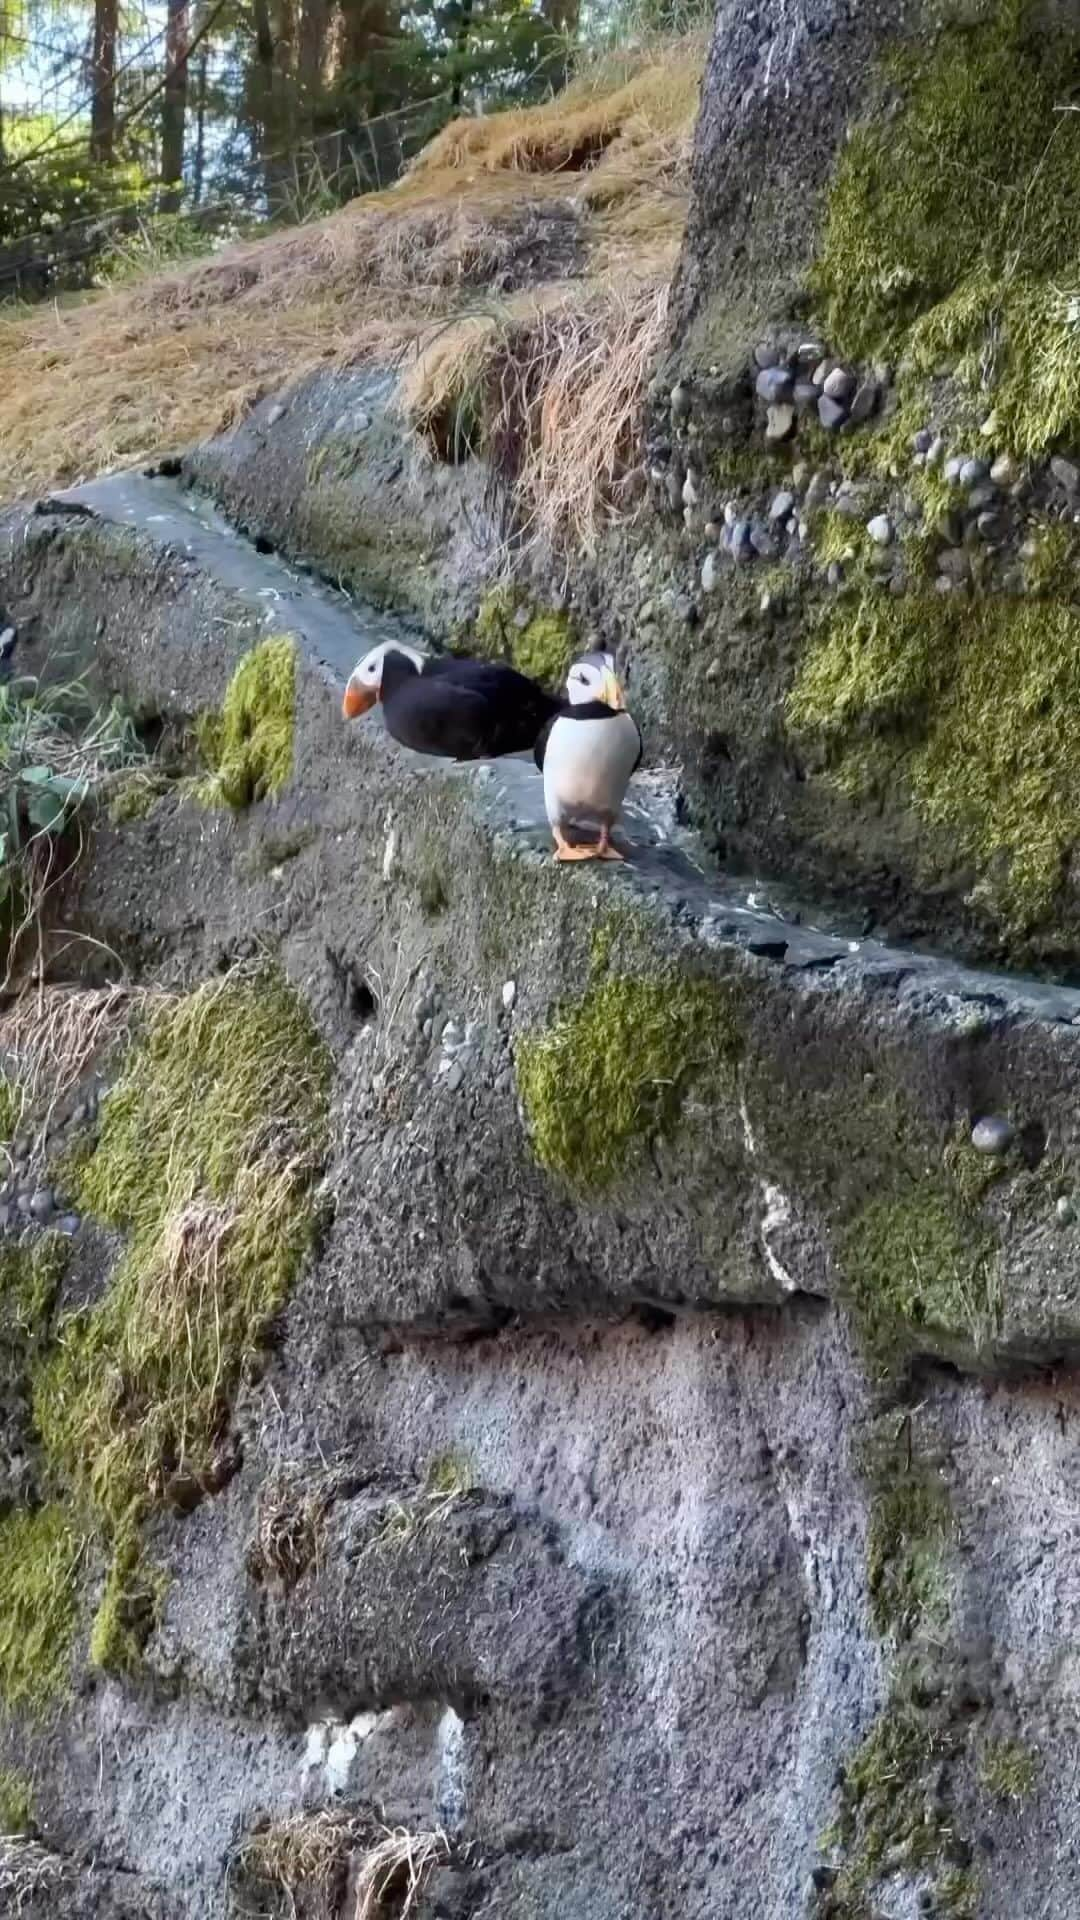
(613, 1072)
(537, 641)
(910, 1525)
(39, 1554)
(130, 1606)
(966, 704)
(207, 1148)
(961, 212)
(249, 744)
(1007, 1769)
(16, 1802)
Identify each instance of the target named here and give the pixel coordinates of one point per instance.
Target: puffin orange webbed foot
(564, 851)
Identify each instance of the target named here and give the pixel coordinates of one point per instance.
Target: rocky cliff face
(528, 1392)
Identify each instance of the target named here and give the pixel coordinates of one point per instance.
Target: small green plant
(57, 751)
(249, 744)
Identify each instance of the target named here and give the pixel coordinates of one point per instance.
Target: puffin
(586, 755)
(455, 709)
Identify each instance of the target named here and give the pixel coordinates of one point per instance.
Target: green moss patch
(249, 745)
(969, 705)
(130, 1606)
(537, 641)
(16, 1802)
(910, 1526)
(961, 213)
(39, 1557)
(916, 1259)
(614, 1071)
(29, 1279)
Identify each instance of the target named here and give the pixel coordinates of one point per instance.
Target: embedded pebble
(953, 467)
(835, 574)
(69, 1223)
(455, 1076)
(1004, 471)
(42, 1204)
(1065, 473)
(880, 529)
(781, 506)
(831, 413)
(763, 543)
(780, 422)
(817, 492)
(982, 497)
(740, 540)
(935, 452)
(709, 573)
(690, 499)
(992, 1135)
(992, 526)
(840, 384)
(774, 384)
(23, 1202)
(805, 396)
(680, 402)
(1064, 1210)
(275, 413)
(865, 400)
(923, 440)
(452, 1036)
(809, 353)
(767, 354)
(972, 471)
(509, 993)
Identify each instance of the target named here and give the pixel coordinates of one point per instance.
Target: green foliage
(1052, 567)
(16, 1802)
(536, 641)
(1007, 1769)
(614, 1071)
(155, 243)
(207, 1148)
(39, 1555)
(968, 705)
(960, 213)
(249, 745)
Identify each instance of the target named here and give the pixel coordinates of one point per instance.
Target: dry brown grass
(292, 1516)
(50, 1036)
(106, 381)
(396, 1868)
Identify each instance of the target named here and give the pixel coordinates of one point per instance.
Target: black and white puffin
(454, 708)
(586, 756)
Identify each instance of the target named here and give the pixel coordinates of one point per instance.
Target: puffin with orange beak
(586, 756)
(453, 708)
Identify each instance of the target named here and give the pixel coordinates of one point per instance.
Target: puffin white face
(593, 678)
(365, 681)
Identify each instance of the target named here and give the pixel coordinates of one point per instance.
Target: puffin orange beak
(612, 693)
(357, 700)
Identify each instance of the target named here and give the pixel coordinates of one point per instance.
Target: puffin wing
(435, 715)
(542, 738)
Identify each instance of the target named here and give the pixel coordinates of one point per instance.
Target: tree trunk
(264, 38)
(103, 79)
(200, 132)
(562, 19)
(461, 54)
(175, 108)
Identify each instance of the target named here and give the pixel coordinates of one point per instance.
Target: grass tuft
(16, 1802)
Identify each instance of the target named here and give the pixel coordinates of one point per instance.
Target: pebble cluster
(464, 1050)
(27, 1197)
(788, 389)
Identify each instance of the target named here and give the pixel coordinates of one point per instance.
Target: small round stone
(992, 1135)
(23, 1202)
(972, 471)
(69, 1223)
(708, 573)
(923, 440)
(5, 1216)
(509, 993)
(42, 1204)
(781, 506)
(840, 384)
(831, 413)
(680, 401)
(455, 1076)
(774, 385)
(1064, 1210)
(880, 529)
